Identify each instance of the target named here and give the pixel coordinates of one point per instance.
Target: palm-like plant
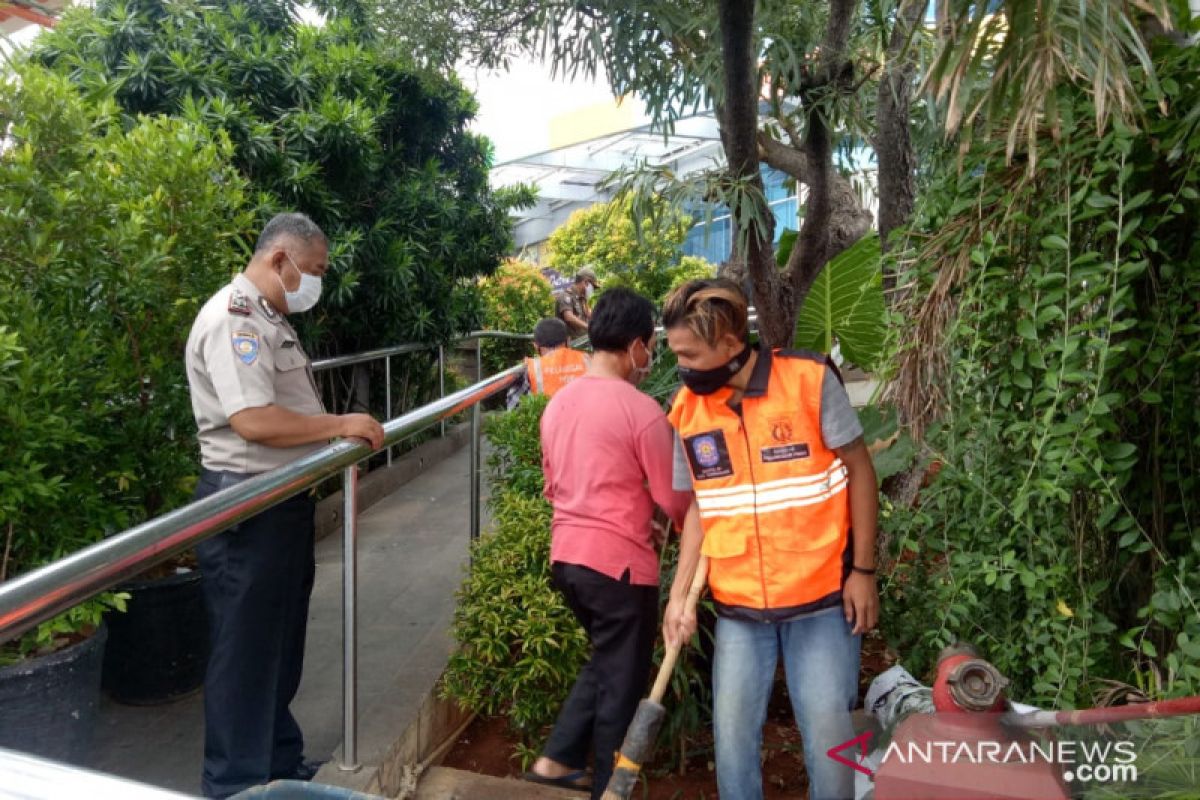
(1003, 63)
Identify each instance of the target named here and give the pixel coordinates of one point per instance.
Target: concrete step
(444, 783)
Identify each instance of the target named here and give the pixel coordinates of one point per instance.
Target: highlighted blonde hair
(709, 309)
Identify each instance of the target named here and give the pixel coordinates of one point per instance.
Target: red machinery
(975, 747)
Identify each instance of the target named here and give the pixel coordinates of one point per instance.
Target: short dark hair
(620, 317)
(550, 332)
(291, 223)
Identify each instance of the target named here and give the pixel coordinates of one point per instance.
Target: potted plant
(50, 677)
(158, 645)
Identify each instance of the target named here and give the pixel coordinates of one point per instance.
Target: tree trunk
(893, 142)
(738, 116)
(812, 251)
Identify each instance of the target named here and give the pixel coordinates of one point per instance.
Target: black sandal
(572, 780)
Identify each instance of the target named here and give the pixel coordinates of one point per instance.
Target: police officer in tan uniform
(257, 408)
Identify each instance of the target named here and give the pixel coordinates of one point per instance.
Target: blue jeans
(820, 658)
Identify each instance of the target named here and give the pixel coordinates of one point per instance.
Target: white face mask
(640, 374)
(307, 293)
(588, 291)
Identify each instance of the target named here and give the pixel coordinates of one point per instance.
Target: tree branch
(848, 221)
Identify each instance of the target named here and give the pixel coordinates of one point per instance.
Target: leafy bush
(515, 298)
(1053, 324)
(645, 259)
(112, 237)
(328, 121)
(519, 645)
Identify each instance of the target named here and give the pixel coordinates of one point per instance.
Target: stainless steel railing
(386, 353)
(39, 595)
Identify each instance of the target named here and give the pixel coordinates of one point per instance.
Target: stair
(443, 783)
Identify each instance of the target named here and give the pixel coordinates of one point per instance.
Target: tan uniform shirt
(576, 304)
(241, 354)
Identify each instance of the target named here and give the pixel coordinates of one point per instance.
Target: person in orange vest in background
(775, 454)
(554, 367)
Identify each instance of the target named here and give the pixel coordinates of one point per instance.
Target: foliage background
(515, 299)
(643, 256)
(325, 121)
(1048, 352)
(114, 233)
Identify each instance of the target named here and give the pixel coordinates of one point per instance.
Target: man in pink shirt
(607, 452)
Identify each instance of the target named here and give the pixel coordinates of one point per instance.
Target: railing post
(387, 394)
(476, 418)
(349, 762)
(442, 380)
(476, 424)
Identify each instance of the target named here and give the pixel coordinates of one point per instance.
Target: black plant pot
(48, 704)
(158, 648)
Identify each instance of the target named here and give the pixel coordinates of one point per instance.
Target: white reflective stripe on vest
(541, 379)
(768, 485)
(761, 495)
(750, 488)
(750, 507)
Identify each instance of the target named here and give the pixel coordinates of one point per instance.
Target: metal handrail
(411, 347)
(41, 594)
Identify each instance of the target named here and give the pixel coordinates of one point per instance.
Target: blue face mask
(707, 381)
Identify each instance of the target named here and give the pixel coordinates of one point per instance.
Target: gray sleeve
(839, 420)
(681, 472)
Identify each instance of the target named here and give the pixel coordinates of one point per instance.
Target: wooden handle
(672, 651)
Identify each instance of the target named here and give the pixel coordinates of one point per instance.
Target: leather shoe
(305, 771)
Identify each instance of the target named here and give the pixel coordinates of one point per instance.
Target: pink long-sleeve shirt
(607, 452)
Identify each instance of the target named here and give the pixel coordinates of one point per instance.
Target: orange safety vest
(773, 499)
(549, 373)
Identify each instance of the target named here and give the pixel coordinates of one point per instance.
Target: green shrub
(520, 647)
(326, 120)
(111, 238)
(1060, 534)
(515, 299)
(646, 260)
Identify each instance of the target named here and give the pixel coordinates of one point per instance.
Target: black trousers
(621, 621)
(258, 577)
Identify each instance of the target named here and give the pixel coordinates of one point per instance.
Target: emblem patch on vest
(781, 429)
(709, 456)
(787, 452)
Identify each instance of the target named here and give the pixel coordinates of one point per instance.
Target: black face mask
(707, 381)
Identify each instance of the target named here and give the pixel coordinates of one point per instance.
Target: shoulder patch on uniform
(245, 345)
(239, 303)
(268, 309)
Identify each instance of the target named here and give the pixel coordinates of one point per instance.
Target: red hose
(1176, 707)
